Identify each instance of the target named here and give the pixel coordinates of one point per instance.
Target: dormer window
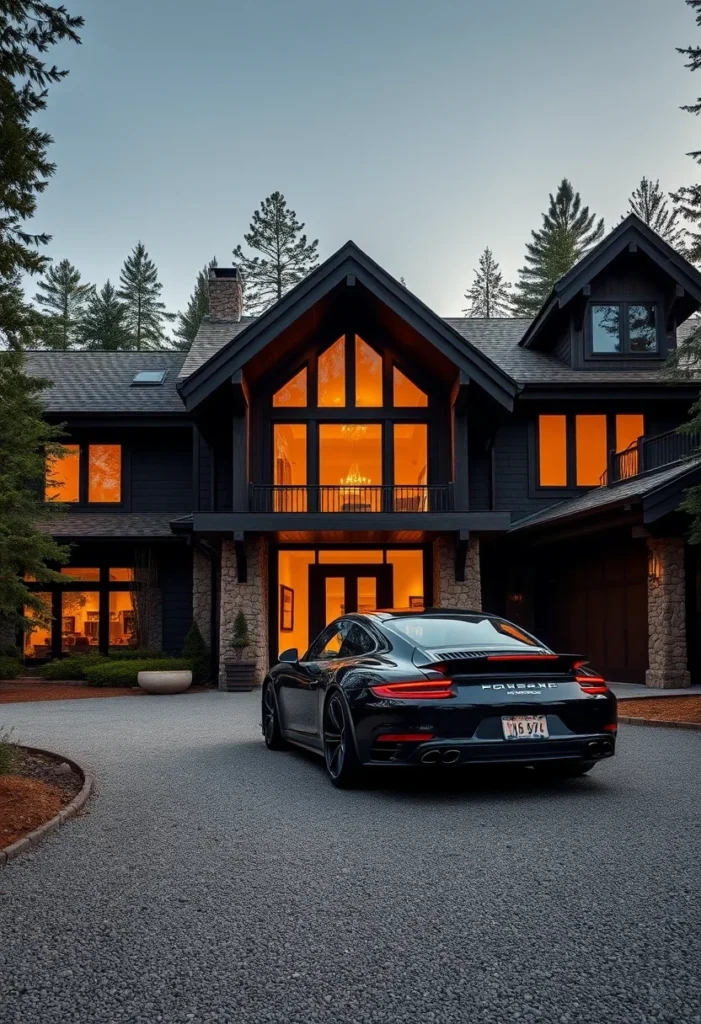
(624, 329)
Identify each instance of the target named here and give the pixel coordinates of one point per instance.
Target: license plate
(525, 727)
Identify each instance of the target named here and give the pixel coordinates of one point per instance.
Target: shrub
(73, 667)
(240, 637)
(134, 654)
(9, 651)
(195, 650)
(124, 673)
(8, 752)
(10, 668)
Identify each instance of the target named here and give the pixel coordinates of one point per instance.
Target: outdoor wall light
(654, 566)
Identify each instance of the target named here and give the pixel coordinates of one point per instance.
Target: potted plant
(239, 675)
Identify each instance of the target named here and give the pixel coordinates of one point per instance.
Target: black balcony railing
(648, 453)
(434, 498)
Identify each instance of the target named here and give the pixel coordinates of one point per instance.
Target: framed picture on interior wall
(416, 601)
(287, 609)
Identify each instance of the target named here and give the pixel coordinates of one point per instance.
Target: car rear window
(471, 632)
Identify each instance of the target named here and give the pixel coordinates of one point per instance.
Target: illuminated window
(80, 621)
(290, 467)
(552, 451)
(121, 575)
(590, 439)
(350, 461)
(104, 473)
(63, 476)
(122, 621)
(410, 466)
(629, 427)
(332, 375)
(368, 375)
(37, 640)
(292, 395)
(406, 394)
(83, 575)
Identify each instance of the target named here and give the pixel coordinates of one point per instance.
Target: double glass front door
(337, 589)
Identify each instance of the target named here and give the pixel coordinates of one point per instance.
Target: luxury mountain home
(350, 449)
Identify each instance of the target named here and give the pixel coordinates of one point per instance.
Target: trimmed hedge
(10, 668)
(134, 654)
(124, 673)
(73, 667)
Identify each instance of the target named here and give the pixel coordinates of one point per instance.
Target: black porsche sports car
(439, 687)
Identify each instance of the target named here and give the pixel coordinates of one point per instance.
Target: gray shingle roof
(101, 381)
(599, 497)
(210, 338)
(112, 524)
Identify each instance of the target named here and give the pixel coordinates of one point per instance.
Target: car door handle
(313, 684)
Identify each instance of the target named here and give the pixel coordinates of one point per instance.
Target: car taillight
(589, 681)
(427, 690)
(404, 737)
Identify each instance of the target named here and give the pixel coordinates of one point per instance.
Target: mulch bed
(662, 709)
(36, 791)
(12, 691)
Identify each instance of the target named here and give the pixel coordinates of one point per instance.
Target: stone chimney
(225, 293)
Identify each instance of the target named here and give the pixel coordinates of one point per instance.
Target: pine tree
(649, 202)
(103, 327)
(197, 308)
(140, 289)
(568, 231)
(687, 199)
(286, 257)
(489, 295)
(62, 300)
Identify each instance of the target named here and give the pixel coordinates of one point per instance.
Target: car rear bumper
(457, 752)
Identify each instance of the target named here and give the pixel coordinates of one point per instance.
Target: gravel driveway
(215, 881)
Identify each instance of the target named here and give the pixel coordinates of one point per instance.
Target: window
(292, 395)
(466, 632)
(552, 451)
(350, 462)
(357, 642)
(410, 466)
(332, 375)
(105, 473)
(329, 643)
(149, 378)
(82, 575)
(573, 450)
(290, 468)
(37, 640)
(80, 621)
(63, 476)
(591, 449)
(368, 375)
(623, 328)
(406, 394)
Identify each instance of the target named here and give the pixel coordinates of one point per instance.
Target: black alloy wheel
(340, 756)
(271, 721)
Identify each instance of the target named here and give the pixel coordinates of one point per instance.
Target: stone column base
(447, 592)
(660, 680)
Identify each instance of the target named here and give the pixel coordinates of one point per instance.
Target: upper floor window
(573, 450)
(624, 328)
(85, 473)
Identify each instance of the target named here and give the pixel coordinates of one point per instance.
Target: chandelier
(354, 431)
(353, 478)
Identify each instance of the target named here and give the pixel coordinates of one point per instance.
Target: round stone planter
(165, 682)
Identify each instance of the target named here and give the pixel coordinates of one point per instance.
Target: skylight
(149, 378)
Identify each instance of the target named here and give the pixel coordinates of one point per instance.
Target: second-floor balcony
(649, 453)
(354, 498)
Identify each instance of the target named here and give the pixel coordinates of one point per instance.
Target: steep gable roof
(350, 265)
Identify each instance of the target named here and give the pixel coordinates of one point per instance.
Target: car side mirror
(290, 656)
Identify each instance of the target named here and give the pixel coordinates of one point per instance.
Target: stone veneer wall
(447, 592)
(251, 598)
(202, 592)
(666, 615)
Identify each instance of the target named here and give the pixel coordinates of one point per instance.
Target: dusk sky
(423, 131)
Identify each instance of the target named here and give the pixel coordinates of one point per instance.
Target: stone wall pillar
(251, 598)
(447, 592)
(666, 614)
(202, 592)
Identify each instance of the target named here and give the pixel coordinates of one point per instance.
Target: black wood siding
(161, 471)
(175, 580)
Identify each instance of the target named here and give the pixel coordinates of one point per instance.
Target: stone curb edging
(32, 839)
(655, 721)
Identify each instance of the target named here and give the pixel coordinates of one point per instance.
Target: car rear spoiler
(499, 662)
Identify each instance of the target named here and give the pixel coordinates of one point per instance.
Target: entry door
(338, 589)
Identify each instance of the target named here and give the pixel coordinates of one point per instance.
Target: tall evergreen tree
(568, 231)
(62, 300)
(198, 307)
(649, 202)
(688, 198)
(140, 289)
(103, 327)
(286, 257)
(489, 295)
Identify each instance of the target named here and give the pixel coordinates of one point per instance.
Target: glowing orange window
(332, 375)
(63, 475)
(407, 394)
(629, 427)
(368, 375)
(552, 451)
(105, 472)
(292, 395)
(590, 435)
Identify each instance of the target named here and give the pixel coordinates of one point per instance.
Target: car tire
(564, 769)
(271, 719)
(340, 757)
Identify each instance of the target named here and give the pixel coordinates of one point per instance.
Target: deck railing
(354, 498)
(648, 453)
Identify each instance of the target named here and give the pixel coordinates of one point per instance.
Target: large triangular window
(405, 394)
(292, 395)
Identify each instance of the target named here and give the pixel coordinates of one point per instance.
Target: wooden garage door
(600, 609)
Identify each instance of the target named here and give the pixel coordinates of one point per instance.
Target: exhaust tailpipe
(451, 756)
(594, 747)
(431, 757)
